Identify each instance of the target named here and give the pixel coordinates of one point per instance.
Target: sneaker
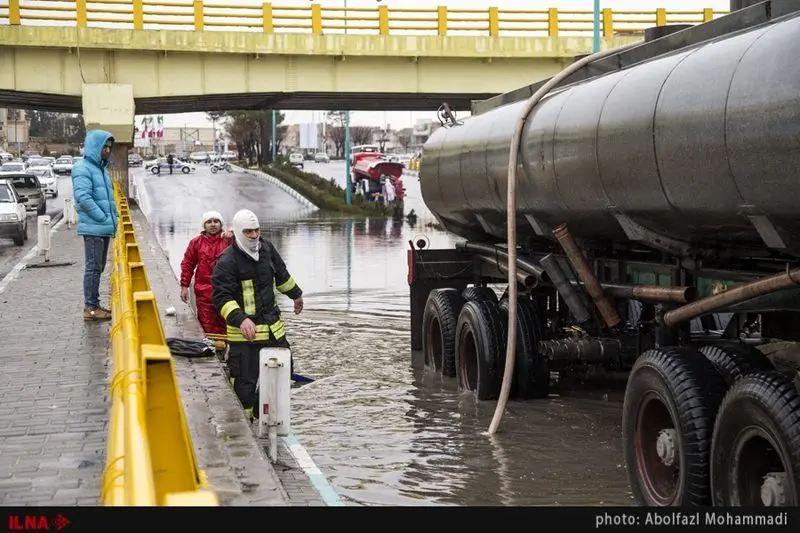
(96, 314)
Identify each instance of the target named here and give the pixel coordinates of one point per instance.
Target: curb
(56, 222)
(278, 183)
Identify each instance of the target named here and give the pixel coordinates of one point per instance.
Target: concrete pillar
(110, 107)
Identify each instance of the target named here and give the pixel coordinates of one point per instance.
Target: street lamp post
(596, 44)
(274, 136)
(347, 169)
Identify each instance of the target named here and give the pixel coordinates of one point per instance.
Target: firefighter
(245, 279)
(199, 259)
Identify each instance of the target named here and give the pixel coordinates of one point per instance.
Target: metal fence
(316, 19)
(150, 459)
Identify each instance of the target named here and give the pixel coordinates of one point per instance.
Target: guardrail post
(138, 15)
(383, 20)
(138, 275)
(552, 22)
(661, 16)
(199, 21)
(132, 254)
(316, 19)
(13, 12)
(608, 22)
(147, 320)
(708, 14)
(442, 20)
(494, 22)
(81, 18)
(266, 17)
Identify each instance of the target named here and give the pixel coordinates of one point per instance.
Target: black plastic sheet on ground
(190, 348)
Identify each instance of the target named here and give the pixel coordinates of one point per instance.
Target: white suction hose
(516, 139)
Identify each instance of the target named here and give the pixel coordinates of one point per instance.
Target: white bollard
(44, 236)
(70, 215)
(274, 386)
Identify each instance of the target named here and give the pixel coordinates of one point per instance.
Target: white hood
(242, 220)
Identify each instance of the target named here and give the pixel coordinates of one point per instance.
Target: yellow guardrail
(318, 20)
(150, 457)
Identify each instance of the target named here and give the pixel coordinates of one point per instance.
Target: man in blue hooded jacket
(97, 216)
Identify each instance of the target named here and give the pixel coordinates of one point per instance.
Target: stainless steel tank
(699, 146)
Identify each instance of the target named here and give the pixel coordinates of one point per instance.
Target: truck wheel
(439, 330)
(734, 360)
(475, 293)
(755, 458)
(480, 348)
(668, 415)
(531, 370)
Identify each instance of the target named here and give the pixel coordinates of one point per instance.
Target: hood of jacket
(93, 146)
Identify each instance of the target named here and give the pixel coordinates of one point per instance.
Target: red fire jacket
(202, 253)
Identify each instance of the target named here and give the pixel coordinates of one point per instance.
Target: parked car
(63, 165)
(13, 166)
(13, 215)
(162, 167)
(135, 160)
(321, 157)
(28, 187)
(296, 159)
(47, 178)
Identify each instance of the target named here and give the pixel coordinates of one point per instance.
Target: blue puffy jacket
(92, 189)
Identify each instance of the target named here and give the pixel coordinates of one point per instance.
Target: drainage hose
(511, 222)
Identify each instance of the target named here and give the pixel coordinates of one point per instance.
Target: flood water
(382, 430)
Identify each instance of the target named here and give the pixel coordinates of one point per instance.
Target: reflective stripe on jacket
(245, 288)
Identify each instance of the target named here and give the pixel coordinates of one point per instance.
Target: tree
(404, 139)
(67, 128)
(360, 134)
(252, 133)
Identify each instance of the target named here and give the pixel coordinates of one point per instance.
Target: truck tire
(755, 459)
(480, 348)
(474, 293)
(439, 330)
(671, 402)
(734, 360)
(531, 370)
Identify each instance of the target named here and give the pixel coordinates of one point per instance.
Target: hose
(511, 222)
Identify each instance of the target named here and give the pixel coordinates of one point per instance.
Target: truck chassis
(708, 418)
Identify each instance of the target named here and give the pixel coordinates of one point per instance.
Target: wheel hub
(665, 446)
(773, 492)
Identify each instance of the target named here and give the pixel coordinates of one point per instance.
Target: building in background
(182, 141)
(15, 130)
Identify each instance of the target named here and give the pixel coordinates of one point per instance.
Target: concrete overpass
(163, 56)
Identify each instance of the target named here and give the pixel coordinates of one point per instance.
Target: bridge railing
(316, 19)
(150, 457)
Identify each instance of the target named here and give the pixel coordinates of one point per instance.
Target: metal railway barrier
(150, 456)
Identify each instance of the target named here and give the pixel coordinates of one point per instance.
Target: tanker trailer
(658, 232)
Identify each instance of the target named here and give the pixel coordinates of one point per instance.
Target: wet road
(10, 254)
(382, 431)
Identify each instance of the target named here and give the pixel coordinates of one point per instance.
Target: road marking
(33, 252)
(314, 474)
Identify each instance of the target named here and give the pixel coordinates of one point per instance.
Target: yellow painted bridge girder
(174, 63)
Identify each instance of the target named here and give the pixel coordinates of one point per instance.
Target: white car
(63, 165)
(296, 159)
(48, 180)
(13, 215)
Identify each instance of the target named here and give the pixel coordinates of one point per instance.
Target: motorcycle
(220, 165)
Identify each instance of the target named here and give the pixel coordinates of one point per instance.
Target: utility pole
(347, 168)
(596, 40)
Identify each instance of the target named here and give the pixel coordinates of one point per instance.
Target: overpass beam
(110, 107)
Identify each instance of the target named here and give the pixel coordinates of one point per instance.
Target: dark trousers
(95, 251)
(243, 363)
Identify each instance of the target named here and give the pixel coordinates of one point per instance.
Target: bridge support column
(110, 107)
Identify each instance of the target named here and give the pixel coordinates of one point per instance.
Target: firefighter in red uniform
(199, 259)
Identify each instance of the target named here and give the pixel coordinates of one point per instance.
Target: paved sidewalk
(53, 383)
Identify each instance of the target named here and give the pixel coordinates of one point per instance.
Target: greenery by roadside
(326, 194)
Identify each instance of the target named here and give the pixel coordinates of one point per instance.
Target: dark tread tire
(689, 391)
(439, 330)
(480, 348)
(531, 370)
(735, 360)
(475, 293)
(769, 401)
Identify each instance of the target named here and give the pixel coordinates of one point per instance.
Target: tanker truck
(656, 237)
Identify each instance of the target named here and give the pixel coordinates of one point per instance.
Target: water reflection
(381, 429)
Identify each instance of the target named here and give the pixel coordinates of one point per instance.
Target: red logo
(36, 522)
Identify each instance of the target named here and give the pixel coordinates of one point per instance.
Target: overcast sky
(406, 119)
